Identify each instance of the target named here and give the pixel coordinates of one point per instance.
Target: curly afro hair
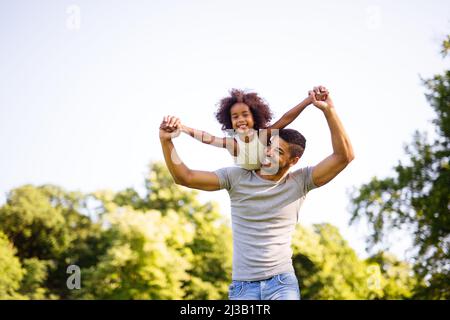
(262, 115)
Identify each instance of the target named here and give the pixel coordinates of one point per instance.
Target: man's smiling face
(241, 117)
(277, 156)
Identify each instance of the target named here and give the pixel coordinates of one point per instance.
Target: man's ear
(294, 161)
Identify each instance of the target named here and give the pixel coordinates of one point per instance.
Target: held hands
(320, 97)
(170, 128)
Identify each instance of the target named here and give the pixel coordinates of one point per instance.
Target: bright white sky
(82, 95)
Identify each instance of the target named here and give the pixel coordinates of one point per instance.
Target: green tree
(146, 257)
(328, 268)
(417, 197)
(49, 231)
(210, 271)
(34, 284)
(33, 224)
(11, 271)
(396, 278)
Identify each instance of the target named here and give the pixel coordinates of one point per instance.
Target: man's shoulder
(230, 176)
(300, 171)
(233, 171)
(303, 177)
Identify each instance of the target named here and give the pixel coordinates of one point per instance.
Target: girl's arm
(290, 116)
(203, 136)
(284, 121)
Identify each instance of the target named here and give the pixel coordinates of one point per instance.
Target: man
(265, 203)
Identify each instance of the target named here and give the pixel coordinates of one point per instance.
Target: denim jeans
(282, 286)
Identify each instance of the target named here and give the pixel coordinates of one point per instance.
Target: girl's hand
(321, 94)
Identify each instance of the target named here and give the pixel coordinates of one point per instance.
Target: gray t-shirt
(263, 216)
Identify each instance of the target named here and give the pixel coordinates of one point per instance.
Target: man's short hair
(297, 142)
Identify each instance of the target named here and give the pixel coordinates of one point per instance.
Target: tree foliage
(161, 244)
(11, 271)
(328, 268)
(417, 196)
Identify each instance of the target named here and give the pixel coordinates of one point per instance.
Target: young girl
(246, 118)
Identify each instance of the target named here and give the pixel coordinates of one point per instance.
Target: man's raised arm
(342, 154)
(202, 180)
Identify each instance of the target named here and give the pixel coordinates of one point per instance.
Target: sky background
(85, 84)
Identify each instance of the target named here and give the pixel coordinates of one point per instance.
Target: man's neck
(273, 177)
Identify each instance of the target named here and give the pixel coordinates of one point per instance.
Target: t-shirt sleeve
(229, 177)
(304, 179)
(224, 178)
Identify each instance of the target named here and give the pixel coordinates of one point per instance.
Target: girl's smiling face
(241, 117)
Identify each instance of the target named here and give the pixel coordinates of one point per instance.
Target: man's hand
(321, 98)
(169, 128)
(203, 180)
(320, 94)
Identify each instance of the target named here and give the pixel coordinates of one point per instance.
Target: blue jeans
(282, 286)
